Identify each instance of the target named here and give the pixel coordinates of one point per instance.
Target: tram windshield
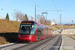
(27, 29)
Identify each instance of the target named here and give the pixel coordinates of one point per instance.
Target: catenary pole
(35, 12)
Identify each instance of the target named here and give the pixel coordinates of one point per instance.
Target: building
(0, 17)
(52, 23)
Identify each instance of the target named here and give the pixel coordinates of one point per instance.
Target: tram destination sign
(26, 23)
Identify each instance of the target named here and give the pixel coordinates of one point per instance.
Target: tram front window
(27, 30)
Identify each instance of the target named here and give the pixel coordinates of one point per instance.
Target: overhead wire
(54, 5)
(36, 4)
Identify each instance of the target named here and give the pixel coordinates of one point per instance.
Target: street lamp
(67, 29)
(72, 27)
(2, 12)
(60, 24)
(46, 15)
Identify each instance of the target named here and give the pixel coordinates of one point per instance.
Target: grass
(56, 27)
(72, 36)
(56, 34)
(3, 40)
(8, 31)
(8, 26)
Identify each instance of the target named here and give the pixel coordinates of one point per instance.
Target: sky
(28, 7)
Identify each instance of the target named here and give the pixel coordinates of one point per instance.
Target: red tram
(31, 31)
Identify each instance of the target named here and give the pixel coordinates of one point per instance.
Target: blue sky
(28, 7)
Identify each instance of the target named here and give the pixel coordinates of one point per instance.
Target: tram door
(46, 32)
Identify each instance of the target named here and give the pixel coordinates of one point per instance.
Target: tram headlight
(18, 35)
(30, 37)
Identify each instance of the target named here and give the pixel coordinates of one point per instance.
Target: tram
(31, 31)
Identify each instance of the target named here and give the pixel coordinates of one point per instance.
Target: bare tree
(38, 18)
(17, 14)
(20, 16)
(48, 22)
(31, 18)
(23, 17)
(41, 19)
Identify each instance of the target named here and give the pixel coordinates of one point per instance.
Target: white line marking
(11, 47)
(61, 43)
(6, 44)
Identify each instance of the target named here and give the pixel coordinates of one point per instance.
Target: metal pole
(43, 16)
(67, 30)
(35, 12)
(60, 23)
(55, 28)
(2, 12)
(49, 22)
(46, 19)
(72, 29)
(46, 16)
(60, 18)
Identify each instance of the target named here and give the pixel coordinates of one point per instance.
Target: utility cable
(54, 5)
(36, 4)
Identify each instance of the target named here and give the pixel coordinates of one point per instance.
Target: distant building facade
(52, 23)
(0, 17)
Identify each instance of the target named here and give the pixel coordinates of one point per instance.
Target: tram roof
(37, 23)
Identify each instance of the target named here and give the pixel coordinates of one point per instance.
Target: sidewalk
(67, 43)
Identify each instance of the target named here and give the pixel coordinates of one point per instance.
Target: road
(52, 43)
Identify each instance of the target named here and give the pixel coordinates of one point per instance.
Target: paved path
(67, 43)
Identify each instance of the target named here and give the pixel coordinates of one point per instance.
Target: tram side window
(39, 31)
(46, 32)
(33, 30)
(49, 31)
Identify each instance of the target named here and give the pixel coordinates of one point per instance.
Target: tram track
(36, 44)
(31, 46)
